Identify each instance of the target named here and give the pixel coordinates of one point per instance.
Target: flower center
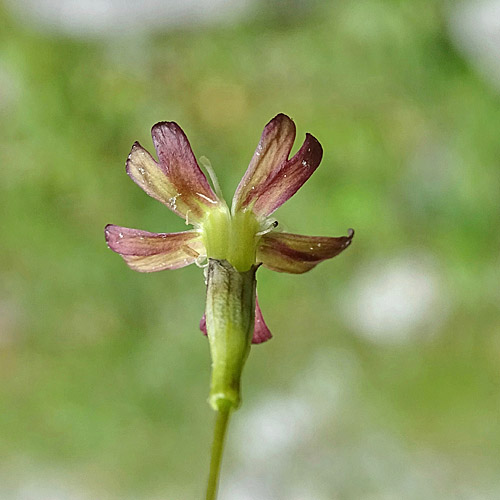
(231, 237)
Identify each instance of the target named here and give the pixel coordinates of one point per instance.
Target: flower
(244, 235)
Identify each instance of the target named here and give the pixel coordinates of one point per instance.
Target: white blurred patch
(475, 28)
(274, 427)
(56, 487)
(271, 437)
(397, 300)
(334, 461)
(281, 422)
(303, 493)
(328, 384)
(322, 456)
(244, 488)
(119, 17)
(46, 492)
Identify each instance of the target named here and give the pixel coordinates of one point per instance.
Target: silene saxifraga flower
(230, 242)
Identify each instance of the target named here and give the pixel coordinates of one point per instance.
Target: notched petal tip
(289, 177)
(148, 174)
(176, 179)
(176, 158)
(272, 151)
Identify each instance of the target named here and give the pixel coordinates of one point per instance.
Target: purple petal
(261, 332)
(147, 174)
(272, 151)
(177, 180)
(148, 252)
(203, 324)
(180, 166)
(296, 254)
(287, 178)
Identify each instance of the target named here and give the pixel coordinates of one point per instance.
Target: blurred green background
(382, 380)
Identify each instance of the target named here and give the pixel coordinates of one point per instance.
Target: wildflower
(233, 242)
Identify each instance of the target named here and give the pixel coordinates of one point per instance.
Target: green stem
(221, 423)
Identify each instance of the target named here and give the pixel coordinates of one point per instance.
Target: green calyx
(230, 315)
(231, 237)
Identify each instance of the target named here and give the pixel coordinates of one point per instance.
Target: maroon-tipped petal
(180, 166)
(152, 178)
(148, 252)
(261, 332)
(287, 179)
(272, 151)
(296, 254)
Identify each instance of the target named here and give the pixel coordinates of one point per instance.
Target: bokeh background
(382, 381)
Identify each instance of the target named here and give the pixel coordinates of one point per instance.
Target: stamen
(206, 198)
(213, 177)
(191, 251)
(272, 225)
(201, 261)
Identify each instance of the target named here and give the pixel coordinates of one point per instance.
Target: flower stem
(221, 423)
